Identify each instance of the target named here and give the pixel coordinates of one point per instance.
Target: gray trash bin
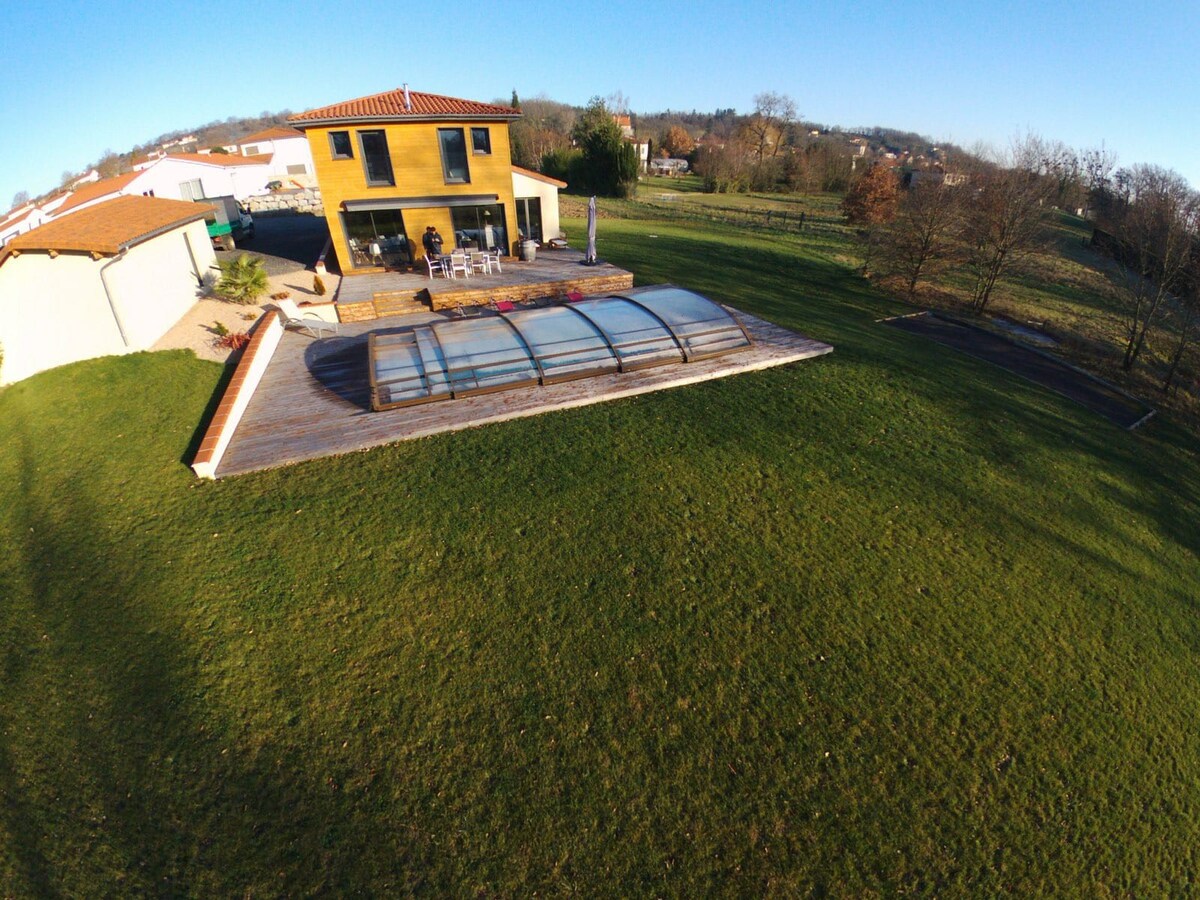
(529, 250)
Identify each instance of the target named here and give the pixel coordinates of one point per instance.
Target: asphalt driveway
(286, 244)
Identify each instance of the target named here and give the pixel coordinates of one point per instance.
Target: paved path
(1086, 390)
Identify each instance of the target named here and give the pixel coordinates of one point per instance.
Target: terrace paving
(314, 398)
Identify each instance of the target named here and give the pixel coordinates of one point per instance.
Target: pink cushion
(505, 306)
(574, 296)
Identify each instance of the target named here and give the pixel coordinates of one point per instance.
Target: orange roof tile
(108, 227)
(94, 191)
(529, 173)
(389, 106)
(16, 218)
(278, 133)
(222, 159)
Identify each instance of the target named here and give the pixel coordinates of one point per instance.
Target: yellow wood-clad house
(392, 164)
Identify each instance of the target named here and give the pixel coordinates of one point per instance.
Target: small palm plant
(243, 280)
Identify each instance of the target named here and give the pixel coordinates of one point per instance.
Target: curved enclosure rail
(545, 345)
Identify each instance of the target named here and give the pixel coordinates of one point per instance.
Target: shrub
(318, 286)
(219, 329)
(243, 279)
(281, 295)
(558, 164)
(232, 340)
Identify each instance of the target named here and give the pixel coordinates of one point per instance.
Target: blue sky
(86, 76)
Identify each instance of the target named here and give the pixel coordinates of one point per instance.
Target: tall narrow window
(340, 146)
(376, 162)
(481, 141)
(191, 190)
(454, 155)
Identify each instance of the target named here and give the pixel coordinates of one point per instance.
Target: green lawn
(887, 621)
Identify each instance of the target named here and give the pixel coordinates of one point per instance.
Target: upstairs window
(454, 155)
(376, 162)
(340, 146)
(191, 190)
(481, 141)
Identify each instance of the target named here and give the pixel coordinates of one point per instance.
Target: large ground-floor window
(529, 218)
(480, 227)
(377, 238)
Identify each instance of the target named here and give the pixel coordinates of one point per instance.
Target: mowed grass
(887, 621)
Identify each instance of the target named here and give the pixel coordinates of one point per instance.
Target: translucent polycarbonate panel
(398, 371)
(638, 338)
(433, 360)
(703, 327)
(566, 344)
(484, 354)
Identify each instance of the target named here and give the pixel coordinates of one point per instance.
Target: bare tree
(1097, 166)
(1154, 235)
(1185, 315)
(921, 239)
(1063, 167)
(765, 128)
(545, 125)
(20, 198)
(1004, 220)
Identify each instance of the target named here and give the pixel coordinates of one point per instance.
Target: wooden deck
(555, 272)
(314, 400)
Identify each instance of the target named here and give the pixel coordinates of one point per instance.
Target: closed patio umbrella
(590, 256)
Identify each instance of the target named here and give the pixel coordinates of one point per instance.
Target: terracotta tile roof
(278, 133)
(529, 173)
(225, 160)
(94, 191)
(107, 227)
(16, 218)
(389, 106)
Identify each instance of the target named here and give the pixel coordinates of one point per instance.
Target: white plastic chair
(480, 262)
(493, 259)
(457, 262)
(307, 321)
(435, 266)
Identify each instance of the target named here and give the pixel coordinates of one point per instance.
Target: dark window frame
(449, 179)
(476, 149)
(390, 181)
(333, 150)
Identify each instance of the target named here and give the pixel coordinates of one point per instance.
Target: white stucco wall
(165, 177)
(288, 152)
(30, 222)
(524, 186)
(54, 311)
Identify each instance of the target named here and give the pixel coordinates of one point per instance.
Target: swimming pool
(545, 345)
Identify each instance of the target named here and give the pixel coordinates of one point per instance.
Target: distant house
(192, 176)
(537, 204)
(291, 157)
(19, 221)
(391, 164)
(108, 279)
(668, 166)
(625, 123)
(93, 193)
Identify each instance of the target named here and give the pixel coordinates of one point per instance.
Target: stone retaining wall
(286, 203)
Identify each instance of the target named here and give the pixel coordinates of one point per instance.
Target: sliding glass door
(480, 228)
(377, 238)
(529, 218)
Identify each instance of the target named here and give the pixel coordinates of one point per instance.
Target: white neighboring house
(192, 176)
(537, 204)
(19, 221)
(185, 176)
(106, 280)
(291, 155)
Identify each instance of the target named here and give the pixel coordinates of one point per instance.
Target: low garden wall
(306, 201)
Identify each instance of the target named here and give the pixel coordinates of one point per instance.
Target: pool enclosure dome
(543, 345)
